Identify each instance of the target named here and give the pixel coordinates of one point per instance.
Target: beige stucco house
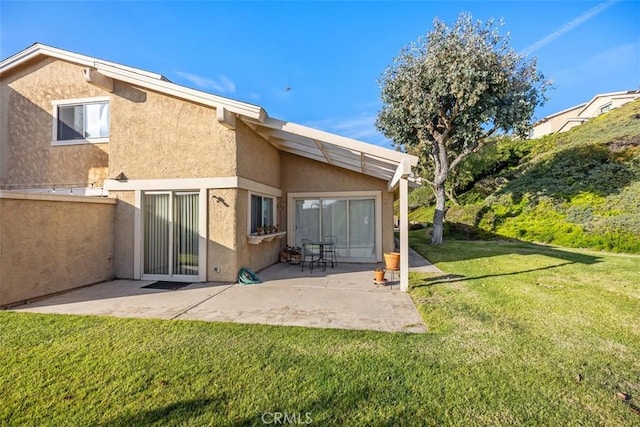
(567, 119)
(193, 175)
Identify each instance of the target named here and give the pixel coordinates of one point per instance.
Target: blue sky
(318, 63)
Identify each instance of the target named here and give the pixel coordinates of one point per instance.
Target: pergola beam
(93, 76)
(225, 117)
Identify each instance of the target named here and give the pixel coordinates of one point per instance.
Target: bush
(579, 188)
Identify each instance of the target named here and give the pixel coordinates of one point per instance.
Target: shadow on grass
(450, 278)
(179, 412)
(212, 411)
(473, 243)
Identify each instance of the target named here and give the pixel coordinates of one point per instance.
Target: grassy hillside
(579, 188)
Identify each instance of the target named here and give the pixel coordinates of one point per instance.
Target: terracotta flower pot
(294, 259)
(392, 260)
(378, 275)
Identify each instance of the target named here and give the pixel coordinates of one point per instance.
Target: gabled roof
(315, 144)
(566, 110)
(583, 106)
(611, 95)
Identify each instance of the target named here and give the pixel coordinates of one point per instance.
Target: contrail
(568, 27)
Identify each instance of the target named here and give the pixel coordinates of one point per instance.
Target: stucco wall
(257, 256)
(301, 175)
(222, 242)
(28, 158)
(124, 233)
(261, 162)
(157, 136)
(257, 159)
(50, 244)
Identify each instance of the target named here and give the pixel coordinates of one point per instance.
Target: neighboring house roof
(611, 95)
(300, 140)
(566, 110)
(581, 108)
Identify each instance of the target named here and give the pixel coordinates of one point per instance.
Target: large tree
(447, 93)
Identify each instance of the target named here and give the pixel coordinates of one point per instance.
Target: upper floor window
(79, 121)
(605, 108)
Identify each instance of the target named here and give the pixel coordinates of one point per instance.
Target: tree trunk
(438, 215)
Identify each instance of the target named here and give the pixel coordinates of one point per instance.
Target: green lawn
(520, 334)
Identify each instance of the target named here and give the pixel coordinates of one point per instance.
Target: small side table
(394, 272)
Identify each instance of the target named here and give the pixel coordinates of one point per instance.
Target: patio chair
(309, 252)
(330, 250)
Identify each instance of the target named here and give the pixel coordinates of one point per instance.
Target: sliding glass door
(171, 235)
(351, 220)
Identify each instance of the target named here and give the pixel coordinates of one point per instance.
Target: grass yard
(520, 334)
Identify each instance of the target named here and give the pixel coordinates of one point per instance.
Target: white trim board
(55, 197)
(192, 183)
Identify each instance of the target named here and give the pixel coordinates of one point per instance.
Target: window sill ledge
(81, 141)
(254, 239)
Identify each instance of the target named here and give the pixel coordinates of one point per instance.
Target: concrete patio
(343, 297)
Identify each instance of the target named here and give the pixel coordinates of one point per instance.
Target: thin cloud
(624, 56)
(222, 85)
(568, 27)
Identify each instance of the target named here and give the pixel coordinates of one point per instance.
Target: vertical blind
(185, 233)
(156, 233)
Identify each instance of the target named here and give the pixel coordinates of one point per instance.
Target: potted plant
(392, 260)
(260, 231)
(285, 254)
(294, 255)
(378, 274)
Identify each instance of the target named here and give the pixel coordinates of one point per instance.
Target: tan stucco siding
(258, 160)
(158, 136)
(28, 158)
(50, 246)
(124, 234)
(300, 175)
(222, 241)
(262, 254)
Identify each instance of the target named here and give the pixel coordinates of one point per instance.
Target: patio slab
(342, 297)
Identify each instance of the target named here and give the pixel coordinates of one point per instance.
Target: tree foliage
(447, 93)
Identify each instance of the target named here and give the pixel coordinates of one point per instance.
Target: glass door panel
(362, 229)
(334, 223)
(185, 234)
(156, 233)
(307, 220)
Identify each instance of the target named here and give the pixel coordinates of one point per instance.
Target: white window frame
(67, 102)
(249, 206)
(606, 107)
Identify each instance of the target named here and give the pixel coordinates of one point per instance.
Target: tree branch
(489, 133)
(473, 149)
